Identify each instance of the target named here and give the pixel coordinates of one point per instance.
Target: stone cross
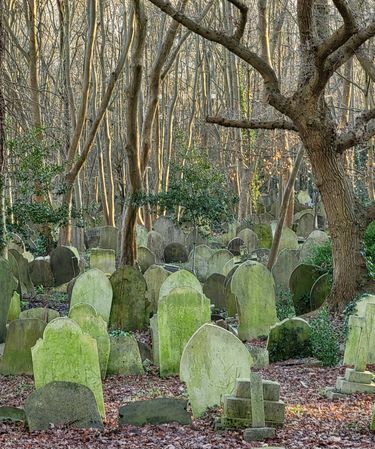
(362, 349)
(257, 402)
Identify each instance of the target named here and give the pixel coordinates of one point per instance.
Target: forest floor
(312, 421)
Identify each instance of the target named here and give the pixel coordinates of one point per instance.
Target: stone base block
(258, 433)
(240, 408)
(361, 377)
(343, 386)
(331, 393)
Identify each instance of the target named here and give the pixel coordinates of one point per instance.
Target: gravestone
(145, 258)
(41, 272)
(67, 354)
(301, 281)
(288, 240)
(215, 264)
(64, 264)
(289, 339)
(230, 298)
(250, 238)
(169, 231)
(212, 360)
(235, 246)
(62, 404)
(253, 286)
(141, 235)
(314, 240)
(14, 307)
(175, 253)
(41, 313)
(304, 198)
(214, 289)
(286, 262)
(103, 260)
(92, 237)
(91, 323)
(124, 358)
(199, 259)
(196, 237)
(21, 337)
(8, 285)
(128, 310)
(28, 256)
(305, 225)
(261, 255)
(12, 415)
(154, 277)
(180, 314)
(156, 244)
(108, 237)
(179, 279)
(22, 273)
(264, 233)
(155, 338)
(320, 291)
(93, 287)
(235, 261)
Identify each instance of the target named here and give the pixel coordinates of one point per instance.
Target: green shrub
(322, 257)
(285, 306)
(370, 235)
(324, 339)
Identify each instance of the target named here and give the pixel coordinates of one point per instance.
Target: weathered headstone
(108, 237)
(12, 414)
(103, 259)
(211, 361)
(8, 285)
(180, 314)
(305, 225)
(62, 404)
(214, 289)
(14, 307)
(235, 246)
(199, 258)
(155, 338)
(303, 198)
(263, 231)
(286, 262)
(175, 253)
(64, 264)
(179, 279)
(235, 261)
(154, 277)
(124, 358)
(23, 275)
(215, 264)
(169, 231)
(145, 258)
(129, 299)
(314, 240)
(93, 287)
(156, 244)
(320, 291)
(254, 288)
(260, 255)
(301, 281)
(250, 238)
(41, 272)
(288, 240)
(141, 235)
(42, 313)
(67, 354)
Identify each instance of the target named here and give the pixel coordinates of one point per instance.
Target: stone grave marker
(154, 277)
(64, 264)
(320, 291)
(41, 313)
(305, 224)
(179, 279)
(214, 289)
(264, 233)
(103, 260)
(199, 258)
(14, 307)
(8, 285)
(169, 231)
(216, 263)
(314, 240)
(301, 281)
(288, 240)
(145, 258)
(156, 244)
(108, 237)
(286, 262)
(235, 246)
(124, 358)
(22, 273)
(175, 253)
(41, 272)
(250, 238)
(141, 235)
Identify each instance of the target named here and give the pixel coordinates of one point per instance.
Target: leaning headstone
(254, 288)
(301, 281)
(62, 404)
(41, 272)
(286, 262)
(288, 240)
(67, 354)
(250, 238)
(8, 285)
(180, 314)
(199, 258)
(108, 237)
(93, 287)
(305, 225)
(23, 275)
(41, 313)
(289, 339)
(124, 358)
(145, 258)
(214, 289)
(154, 411)
(179, 279)
(12, 414)
(64, 264)
(169, 231)
(235, 261)
(154, 277)
(320, 291)
(230, 298)
(156, 244)
(94, 325)
(175, 253)
(103, 259)
(14, 307)
(21, 337)
(314, 240)
(211, 361)
(235, 246)
(128, 310)
(215, 264)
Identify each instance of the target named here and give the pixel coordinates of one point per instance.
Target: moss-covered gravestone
(286, 262)
(264, 233)
(214, 289)
(8, 285)
(320, 291)
(180, 314)
(41, 272)
(211, 361)
(250, 239)
(14, 307)
(154, 277)
(235, 261)
(64, 264)
(230, 299)
(93, 287)
(169, 231)
(103, 260)
(314, 240)
(235, 246)
(21, 337)
(301, 281)
(254, 288)
(305, 225)
(125, 358)
(288, 239)
(289, 339)
(145, 258)
(128, 310)
(62, 404)
(179, 279)
(23, 275)
(108, 237)
(67, 354)
(175, 253)
(199, 258)
(217, 261)
(93, 324)
(42, 313)
(141, 235)
(156, 244)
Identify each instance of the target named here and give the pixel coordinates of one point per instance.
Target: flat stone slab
(154, 411)
(362, 377)
(12, 414)
(258, 433)
(343, 386)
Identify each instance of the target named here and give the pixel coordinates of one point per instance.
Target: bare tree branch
(243, 20)
(252, 124)
(360, 132)
(366, 63)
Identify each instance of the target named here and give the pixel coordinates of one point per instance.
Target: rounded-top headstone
(156, 244)
(64, 264)
(214, 289)
(264, 233)
(145, 258)
(235, 245)
(320, 291)
(314, 240)
(250, 238)
(288, 239)
(42, 313)
(217, 261)
(175, 252)
(300, 283)
(41, 272)
(169, 231)
(154, 277)
(286, 262)
(179, 279)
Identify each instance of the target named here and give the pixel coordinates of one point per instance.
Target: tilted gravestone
(124, 358)
(42, 313)
(254, 288)
(198, 259)
(156, 244)
(211, 361)
(67, 354)
(180, 314)
(305, 225)
(103, 259)
(288, 240)
(41, 272)
(94, 288)
(14, 307)
(8, 285)
(216, 263)
(62, 404)
(128, 310)
(235, 246)
(23, 275)
(179, 279)
(286, 262)
(64, 264)
(93, 324)
(154, 277)
(231, 304)
(214, 289)
(21, 337)
(145, 258)
(320, 291)
(301, 281)
(175, 253)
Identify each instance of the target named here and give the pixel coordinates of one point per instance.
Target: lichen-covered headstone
(288, 239)
(169, 231)
(21, 337)
(289, 339)
(254, 288)
(301, 281)
(235, 246)
(154, 277)
(286, 262)
(141, 235)
(14, 307)
(129, 299)
(305, 225)
(230, 299)
(108, 237)
(314, 240)
(64, 264)
(303, 198)
(41, 272)
(8, 285)
(62, 404)
(175, 253)
(211, 361)
(199, 258)
(250, 238)
(179, 279)
(93, 324)
(93, 287)
(264, 233)
(66, 353)
(42, 313)
(156, 244)
(23, 275)
(214, 289)
(235, 261)
(103, 259)
(320, 291)
(261, 255)
(216, 263)
(124, 358)
(145, 258)
(180, 314)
